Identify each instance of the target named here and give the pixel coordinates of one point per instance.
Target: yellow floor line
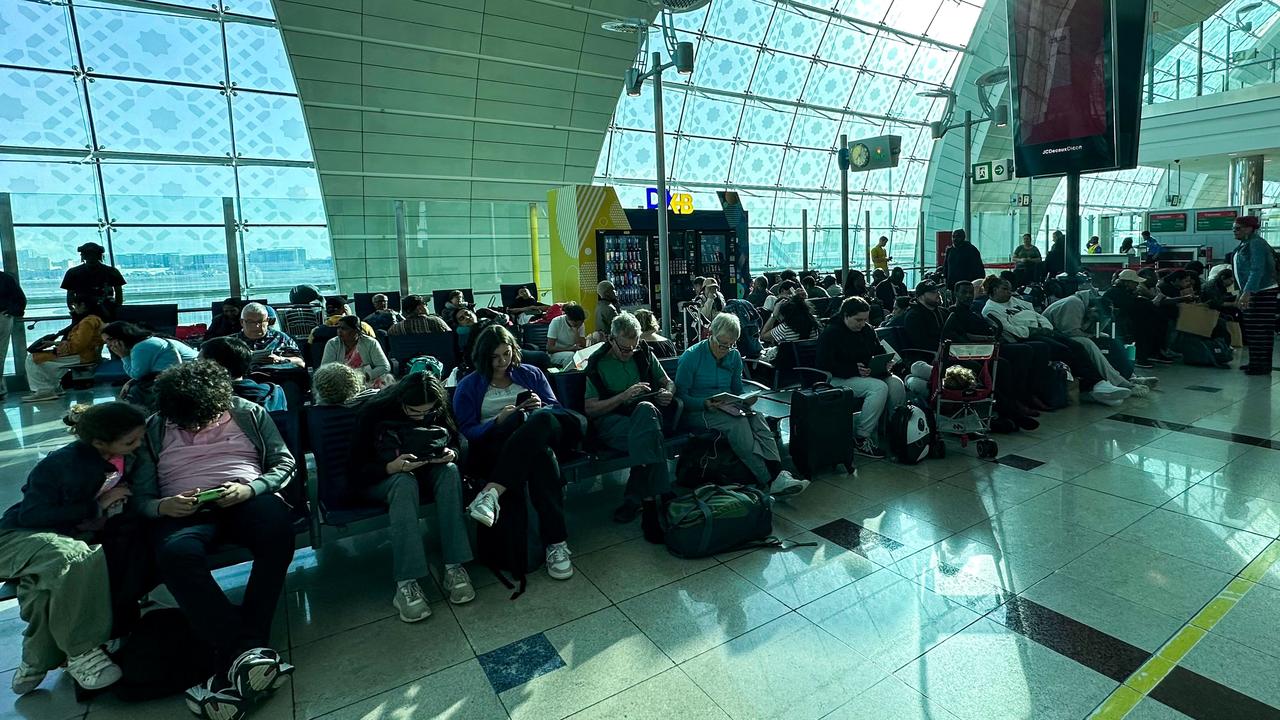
(1126, 697)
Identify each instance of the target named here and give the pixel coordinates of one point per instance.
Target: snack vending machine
(629, 260)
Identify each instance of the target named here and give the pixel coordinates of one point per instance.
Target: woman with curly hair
(208, 473)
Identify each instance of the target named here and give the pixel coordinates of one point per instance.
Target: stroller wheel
(938, 449)
(987, 449)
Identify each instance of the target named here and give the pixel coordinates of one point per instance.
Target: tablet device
(880, 365)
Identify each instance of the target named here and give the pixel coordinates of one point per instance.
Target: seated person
(81, 343)
(457, 300)
(791, 321)
(900, 307)
(662, 347)
(1014, 394)
(525, 304)
(714, 366)
(893, 287)
(268, 345)
(417, 320)
(335, 308)
(979, 295)
(382, 317)
(1026, 261)
(566, 336)
(810, 285)
(1019, 322)
(627, 395)
(359, 351)
(204, 439)
(512, 445)
(922, 323)
(830, 286)
(712, 300)
(382, 471)
(69, 581)
(234, 357)
(228, 321)
(1076, 317)
(143, 355)
(607, 307)
(1221, 293)
(845, 349)
(759, 292)
(337, 384)
(1140, 320)
(786, 290)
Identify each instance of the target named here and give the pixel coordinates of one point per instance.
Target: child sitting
(63, 589)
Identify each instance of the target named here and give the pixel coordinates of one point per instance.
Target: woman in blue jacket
(503, 410)
(1255, 268)
(144, 356)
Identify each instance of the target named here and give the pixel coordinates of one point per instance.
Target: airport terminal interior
(604, 359)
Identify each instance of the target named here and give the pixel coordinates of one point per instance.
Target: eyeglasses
(723, 346)
(624, 349)
(262, 322)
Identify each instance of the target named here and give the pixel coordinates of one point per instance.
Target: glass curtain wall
(775, 85)
(127, 123)
(1121, 192)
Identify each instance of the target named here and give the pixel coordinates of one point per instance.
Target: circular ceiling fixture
(680, 6)
(630, 26)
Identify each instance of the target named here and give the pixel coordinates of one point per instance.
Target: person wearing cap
(1255, 268)
(94, 280)
(1139, 319)
(963, 260)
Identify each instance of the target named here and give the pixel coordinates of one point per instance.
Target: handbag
(424, 442)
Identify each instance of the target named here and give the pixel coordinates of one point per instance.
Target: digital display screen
(1062, 70)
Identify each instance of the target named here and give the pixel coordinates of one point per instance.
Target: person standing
(94, 280)
(1055, 263)
(1255, 270)
(963, 261)
(13, 304)
(880, 254)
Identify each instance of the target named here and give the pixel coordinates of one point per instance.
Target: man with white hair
(268, 345)
(382, 317)
(713, 367)
(628, 394)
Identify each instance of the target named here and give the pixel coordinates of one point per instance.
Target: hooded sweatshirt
(1015, 317)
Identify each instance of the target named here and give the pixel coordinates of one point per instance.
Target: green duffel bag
(716, 518)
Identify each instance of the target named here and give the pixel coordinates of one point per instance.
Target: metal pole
(843, 160)
(664, 243)
(1226, 63)
(402, 248)
(1151, 74)
(1071, 253)
(233, 261)
(1030, 217)
(968, 172)
(1200, 57)
(867, 235)
(804, 238)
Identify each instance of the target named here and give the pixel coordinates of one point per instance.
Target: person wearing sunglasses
(627, 400)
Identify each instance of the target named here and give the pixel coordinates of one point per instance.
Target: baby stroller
(965, 412)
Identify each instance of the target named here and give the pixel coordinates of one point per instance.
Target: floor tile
(946, 506)
(789, 668)
(1202, 542)
(821, 503)
(1019, 462)
(988, 671)
(11, 640)
(493, 619)
(1170, 585)
(1208, 448)
(1040, 538)
(54, 700)
(891, 699)
(1254, 621)
(277, 707)
(888, 619)
(1000, 486)
(1097, 511)
(670, 695)
(1104, 440)
(1237, 666)
(878, 482)
(373, 658)
(1058, 464)
(1169, 464)
(974, 574)
(461, 692)
(697, 613)
(1131, 483)
(1228, 507)
(914, 533)
(956, 461)
(589, 516)
(1101, 652)
(1241, 476)
(635, 566)
(325, 609)
(1135, 624)
(519, 662)
(803, 574)
(603, 653)
(1150, 709)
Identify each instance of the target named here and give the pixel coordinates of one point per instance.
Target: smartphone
(209, 495)
(524, 397)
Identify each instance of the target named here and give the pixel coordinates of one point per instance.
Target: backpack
(1057, 378)
(708, 460)
(713, 519)
(1204, 351)
(427, 364)
(911, 430)
(163, 656)
(749, 318)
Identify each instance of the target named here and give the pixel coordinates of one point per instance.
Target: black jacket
(13, 302)
(963, 262)
(841, 350)
(1055, 261)
(964, 321)
(922, 327)
(368, 464)
(887, 291)
(61, 492)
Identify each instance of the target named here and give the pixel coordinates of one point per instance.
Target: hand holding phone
(204, 496)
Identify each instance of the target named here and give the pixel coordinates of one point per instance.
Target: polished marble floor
(957, 588)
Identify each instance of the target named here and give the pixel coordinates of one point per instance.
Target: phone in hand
(524, 397)
(209, 495)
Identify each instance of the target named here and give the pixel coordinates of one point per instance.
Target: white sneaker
(411, 603)
(458, 583)
(93, 670)
(484, 509)
(787, 484)
(26, 679)
(256, 672)
(1107, 394)
(558, 565)
(1139, 391)
(1150, 382)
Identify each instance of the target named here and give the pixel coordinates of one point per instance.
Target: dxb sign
(679, 203)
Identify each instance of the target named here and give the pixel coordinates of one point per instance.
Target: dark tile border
(519, 662)
(1204, 388)
(1204, 699)
(1199, 431)
(1019, 462)
(1096, 650)
(855, 538)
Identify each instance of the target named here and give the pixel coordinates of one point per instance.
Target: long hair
(126, 332)
(415, 389)
(797, 315)
(490, 339)
(855, 284)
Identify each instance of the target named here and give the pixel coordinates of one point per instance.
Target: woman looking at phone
(513, 446)
(385, 471)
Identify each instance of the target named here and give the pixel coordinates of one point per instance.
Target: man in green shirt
(628, 395)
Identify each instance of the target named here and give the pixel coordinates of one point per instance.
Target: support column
(1072, 246)
(1244, 180)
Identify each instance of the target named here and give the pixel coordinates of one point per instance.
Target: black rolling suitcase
(822, 428)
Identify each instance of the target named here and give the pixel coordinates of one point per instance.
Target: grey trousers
(640, 436)
(1099, 361)
(402, 495)
(749, 436)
